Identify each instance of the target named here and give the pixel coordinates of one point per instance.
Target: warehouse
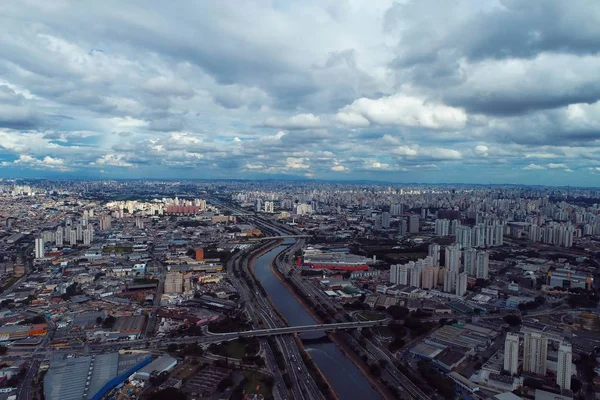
(90, 377)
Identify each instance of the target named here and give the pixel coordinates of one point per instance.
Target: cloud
(481, 91)
(112, 160)
(46, 163)
(300, 121)
(400, 109)
(533, 167)
(296, 163)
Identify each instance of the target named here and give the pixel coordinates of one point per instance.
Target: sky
(470, 91)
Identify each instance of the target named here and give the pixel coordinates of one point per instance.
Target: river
(345, 378)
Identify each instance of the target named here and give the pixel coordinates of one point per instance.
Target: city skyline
(492, 92)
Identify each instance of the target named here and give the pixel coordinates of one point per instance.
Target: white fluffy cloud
(300, 121)
(403, 110)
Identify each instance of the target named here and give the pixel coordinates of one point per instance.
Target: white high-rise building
(483, 264)
(470, 261)
(429, 277)
(385, 219)
(478, 235)
(413, 224)
(396, 209)
(511, 353)
(72, 237)
(463, 236)
(415, 276)
(86, 237)
(449, 281)
(452, 258)
(434, 253)
(535, 352)
(565, 358)
(442, 227)
(105, 222)
(399, 274)
(39, 248)
(58, 237)
(461, 284)
(269, 207)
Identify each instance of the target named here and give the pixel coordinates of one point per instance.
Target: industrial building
(90, 377)
(164, 363)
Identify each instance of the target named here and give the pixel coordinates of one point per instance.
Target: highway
(262, 311)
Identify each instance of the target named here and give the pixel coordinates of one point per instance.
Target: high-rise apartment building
(535, 352)
(396, 209)
(511, 353)
(269, 207)
(452, 258)
(105, 223)
(39, 248)
(72, 237)
(429, 277)
(483, 263)
(463, 236)
(563, 371)
(442, 227)
(469, 259)
(434, 253)
(385, 219)
(461, 284)
(413, 224)
(58, 237)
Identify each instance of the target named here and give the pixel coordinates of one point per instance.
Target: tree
(170, 393)
(575, 384)
(172, 347)
(224, 383)
(398, 312)
(109, 322)
(512, 319)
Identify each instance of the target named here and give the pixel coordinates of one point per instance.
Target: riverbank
(344, 348)
(332, 393)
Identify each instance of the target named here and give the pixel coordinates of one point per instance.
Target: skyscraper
(434, 253)
(535, 351)
(413, 224)
(39, 248)
(385, 220)
(442, 227)
(461, 284)
(58, 237)
(511, 353)
(563, 371)
(470, 261)
(452, 258)
(483, 262)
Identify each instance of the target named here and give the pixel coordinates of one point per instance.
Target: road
(25, 392)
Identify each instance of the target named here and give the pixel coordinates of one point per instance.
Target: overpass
(300, 329)
(282, 237)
